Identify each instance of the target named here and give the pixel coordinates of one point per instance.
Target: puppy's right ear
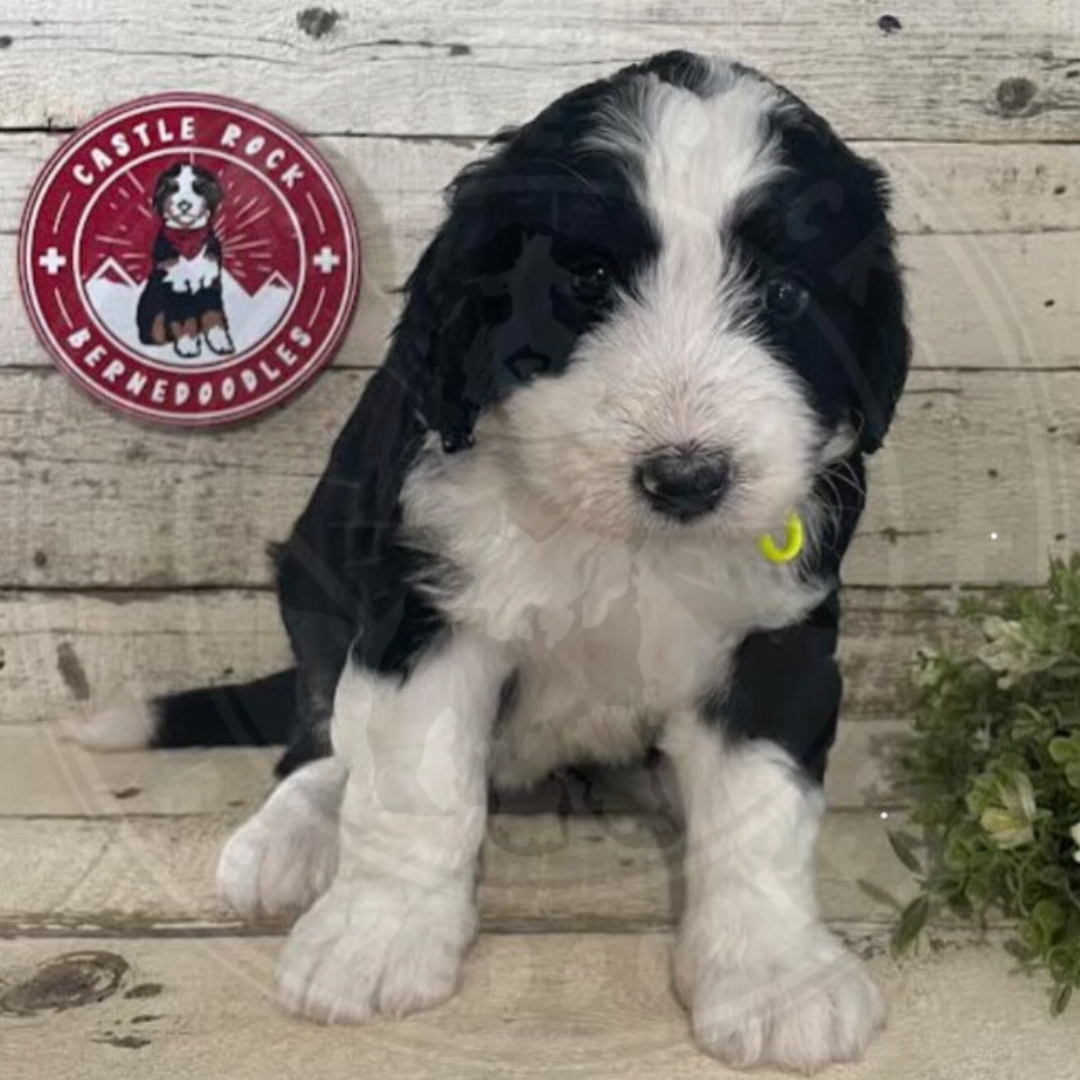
(413, 358)
(439, 345)
(442, 343)
(163, 188)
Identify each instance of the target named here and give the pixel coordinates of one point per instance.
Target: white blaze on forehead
(696, 156)
(702, 156)
(185, 181)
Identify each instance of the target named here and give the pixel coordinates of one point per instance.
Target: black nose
(684, 483)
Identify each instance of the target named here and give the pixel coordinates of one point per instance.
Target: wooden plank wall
(133, 557)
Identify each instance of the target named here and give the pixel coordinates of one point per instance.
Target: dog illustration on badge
(182, 300)
(189, 259)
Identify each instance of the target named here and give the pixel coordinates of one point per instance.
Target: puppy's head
(186, 196)
(668, 301)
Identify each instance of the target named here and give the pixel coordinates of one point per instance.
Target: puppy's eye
(592, 282)
(786, 297)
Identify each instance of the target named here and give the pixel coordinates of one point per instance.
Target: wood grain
(950, 73)
(1004, 301)
(64, 655)
(395, 184)
(977, 300)
(612, 872)
(547, 1006)
(44, 775)
(979, 484)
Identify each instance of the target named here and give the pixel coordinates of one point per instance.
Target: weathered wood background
(132, 558)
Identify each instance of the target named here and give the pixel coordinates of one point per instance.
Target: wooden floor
(117, 958)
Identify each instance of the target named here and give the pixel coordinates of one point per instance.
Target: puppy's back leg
(284, 858)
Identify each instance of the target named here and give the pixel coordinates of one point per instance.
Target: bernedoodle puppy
(182, 300)
(662, 323)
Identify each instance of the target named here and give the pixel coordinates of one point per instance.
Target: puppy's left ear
(213, 193)
(884, 356)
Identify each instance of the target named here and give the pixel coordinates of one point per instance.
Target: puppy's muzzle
(684, 482)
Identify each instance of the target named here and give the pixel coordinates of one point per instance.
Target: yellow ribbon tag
(794, 536)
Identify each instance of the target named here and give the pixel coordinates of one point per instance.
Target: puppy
(182, 301)
(659, 318)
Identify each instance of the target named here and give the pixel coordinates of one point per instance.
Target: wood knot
(72, 671)
(79, 978)
(317, 22)
(1015, 95)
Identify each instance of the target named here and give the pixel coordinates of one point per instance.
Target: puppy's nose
(684, 482)
(183, 206)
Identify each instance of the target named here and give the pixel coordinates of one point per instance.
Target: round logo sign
(189, 259)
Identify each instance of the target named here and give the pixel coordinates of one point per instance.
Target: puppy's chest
(598, 620)
(194, 273)
(607, 635)
(608, 639)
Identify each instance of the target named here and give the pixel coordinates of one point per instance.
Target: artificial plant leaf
(904, 844)
(912, 920)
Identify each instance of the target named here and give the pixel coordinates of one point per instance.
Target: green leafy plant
(993, 771)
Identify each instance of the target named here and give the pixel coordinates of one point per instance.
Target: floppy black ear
(429, 352)
(212, 192)
(875, 280)
(161, 188)
(454, 295)
(887, 354)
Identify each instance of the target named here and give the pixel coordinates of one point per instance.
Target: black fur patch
(823, 223)
(786, 687)
(493, 303)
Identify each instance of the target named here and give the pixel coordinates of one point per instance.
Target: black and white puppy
(658, 318)
(182, 300)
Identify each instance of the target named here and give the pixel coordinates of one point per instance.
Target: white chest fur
(191, 275)
(609, 636)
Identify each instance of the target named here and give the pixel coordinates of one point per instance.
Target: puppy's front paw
(376, 948)
(272, 867)
(802, 1011)
(188, 347)
(217, 337)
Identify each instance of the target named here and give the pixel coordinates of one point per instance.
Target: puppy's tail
(258, 713)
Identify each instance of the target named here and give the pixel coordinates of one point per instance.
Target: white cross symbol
(326, 260)
(52, 260)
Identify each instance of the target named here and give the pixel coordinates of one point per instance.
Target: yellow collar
(794, 537)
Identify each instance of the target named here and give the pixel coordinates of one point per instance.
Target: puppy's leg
(765, 982)
(216, 332)
(284, 858)
(185, 336)
(390, 934)
(158, 334)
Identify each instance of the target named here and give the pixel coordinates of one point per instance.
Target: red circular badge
(189, 259)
